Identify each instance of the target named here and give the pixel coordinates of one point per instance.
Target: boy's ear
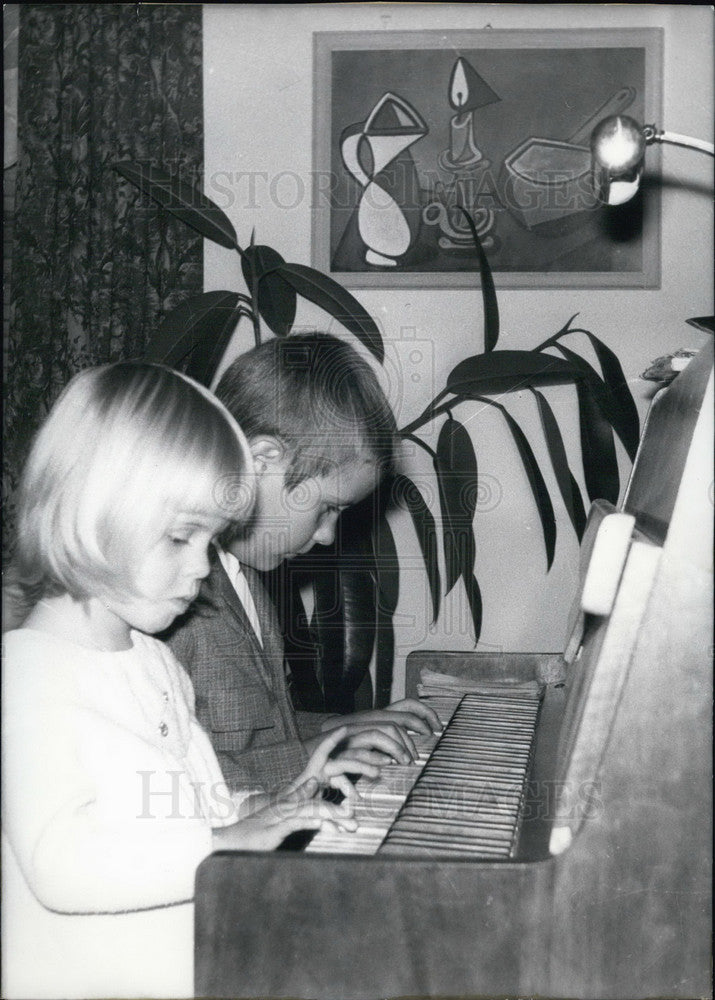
(267, 452)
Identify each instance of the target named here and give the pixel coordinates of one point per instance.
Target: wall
(258, 110)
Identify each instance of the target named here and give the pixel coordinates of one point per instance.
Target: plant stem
(447, 407)
(256, 328)
(553, 341)
(562, 332)
(491, 402)
(426, 415)
(253, 302)
(411, 437)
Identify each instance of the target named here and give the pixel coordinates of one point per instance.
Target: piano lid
(659, 464)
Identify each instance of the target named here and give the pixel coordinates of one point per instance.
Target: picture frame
(410, 125)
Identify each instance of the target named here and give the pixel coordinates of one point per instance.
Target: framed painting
(411, 127)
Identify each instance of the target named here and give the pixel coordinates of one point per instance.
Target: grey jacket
(242, 698)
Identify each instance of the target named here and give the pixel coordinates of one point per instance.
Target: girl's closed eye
(202, 535)
(177, 539)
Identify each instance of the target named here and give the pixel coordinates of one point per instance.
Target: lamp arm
(652, 134)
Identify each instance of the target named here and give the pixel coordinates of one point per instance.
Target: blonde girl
(112, 794)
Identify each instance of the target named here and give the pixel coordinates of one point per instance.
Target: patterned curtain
(95, 262)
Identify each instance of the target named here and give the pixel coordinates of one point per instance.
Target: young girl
(112, 794)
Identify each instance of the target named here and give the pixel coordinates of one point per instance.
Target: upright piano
(557, 840)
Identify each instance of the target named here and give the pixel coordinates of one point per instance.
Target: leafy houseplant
(356, 580)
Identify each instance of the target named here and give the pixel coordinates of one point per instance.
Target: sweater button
(164, 729)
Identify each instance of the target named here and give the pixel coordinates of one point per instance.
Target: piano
(556, 839)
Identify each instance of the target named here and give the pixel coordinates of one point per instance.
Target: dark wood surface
(623, 912)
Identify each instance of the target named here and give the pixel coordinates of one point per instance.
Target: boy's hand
(395, 722)
(410, 713)
(301, 808)
(371, 743)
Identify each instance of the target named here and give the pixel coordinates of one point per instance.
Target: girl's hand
(329, 766)
(301, 808)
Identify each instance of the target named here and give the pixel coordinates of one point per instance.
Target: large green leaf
(457, 479)
(609, 405)
(343, 622)
(347, 592)
(358, 600)
(474, 599)
(200, 318)
(326, 624)
(188, 204)
(507, 371)
(384, 658)
(598, 450)
(455, 465)
(207, 355)
(276, 299)
(538, 486)
(489, 295)
(704, 323)
(616, 381)
(388, 589)
(387, 567)
(567, 484)
(337, 301)
(407, 495)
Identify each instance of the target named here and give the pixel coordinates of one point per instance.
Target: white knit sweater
(110, 792)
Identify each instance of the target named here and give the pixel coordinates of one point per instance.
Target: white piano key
(463, 794)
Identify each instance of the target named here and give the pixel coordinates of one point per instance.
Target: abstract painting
(411, 128)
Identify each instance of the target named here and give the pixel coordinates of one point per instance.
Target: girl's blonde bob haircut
(125, 448)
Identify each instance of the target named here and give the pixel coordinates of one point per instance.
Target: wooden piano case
(621, 790)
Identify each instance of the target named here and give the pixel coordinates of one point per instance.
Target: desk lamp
(618, 148)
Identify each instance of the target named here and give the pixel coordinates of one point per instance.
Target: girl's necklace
(162, 708)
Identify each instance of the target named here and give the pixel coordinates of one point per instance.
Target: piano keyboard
(463, 795)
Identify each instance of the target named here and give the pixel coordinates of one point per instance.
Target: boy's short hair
(318, 397)
(124, 448)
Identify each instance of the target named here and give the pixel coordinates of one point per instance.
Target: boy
(321, 433)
